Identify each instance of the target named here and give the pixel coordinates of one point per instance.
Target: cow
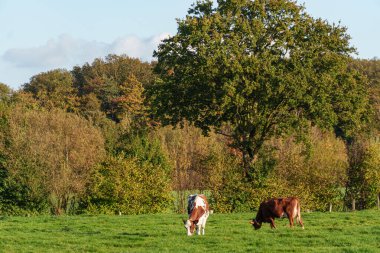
(278, 208)
(198, 211)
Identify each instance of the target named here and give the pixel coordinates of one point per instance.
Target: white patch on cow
(200, 202)
(187, 226)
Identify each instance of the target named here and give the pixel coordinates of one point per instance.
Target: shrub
(124, 185)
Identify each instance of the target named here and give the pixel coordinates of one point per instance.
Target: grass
(324, 232)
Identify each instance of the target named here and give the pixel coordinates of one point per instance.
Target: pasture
(324, 232)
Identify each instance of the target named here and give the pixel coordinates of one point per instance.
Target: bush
(314, 172)
(124, 185)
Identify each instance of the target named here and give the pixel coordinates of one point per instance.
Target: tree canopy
(5, 92)
(252, 70)
(116, 83)
(53, 89)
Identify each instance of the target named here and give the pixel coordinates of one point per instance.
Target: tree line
(249, 100)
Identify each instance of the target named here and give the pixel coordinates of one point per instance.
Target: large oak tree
(254, 69)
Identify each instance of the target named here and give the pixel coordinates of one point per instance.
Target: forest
(243, 104)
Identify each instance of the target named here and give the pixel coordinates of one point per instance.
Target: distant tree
(51, 153)
(53, 89)
(371, 164)
(371, 69)
(187, 149)
(118, 83)
(117, 67)
(5, 92)
(251, 70)
(362, 149)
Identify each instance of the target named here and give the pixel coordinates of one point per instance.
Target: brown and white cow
(277, 208)
(198, 210)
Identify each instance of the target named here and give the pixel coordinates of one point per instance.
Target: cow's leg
(300, 222)
(291, 220)
(199, 229)
(299, 216)
(272, 225)
(203, 228)
(204, 225)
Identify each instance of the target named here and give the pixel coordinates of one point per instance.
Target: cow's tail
(299, 219)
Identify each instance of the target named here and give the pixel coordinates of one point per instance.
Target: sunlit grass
(324, 232)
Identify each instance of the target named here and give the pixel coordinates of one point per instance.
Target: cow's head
(190, 226)
(255, 224)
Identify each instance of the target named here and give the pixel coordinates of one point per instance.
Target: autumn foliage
(249, 100)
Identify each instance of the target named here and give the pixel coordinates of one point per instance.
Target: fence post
(353, 204)
(330, 208)
(378, 201)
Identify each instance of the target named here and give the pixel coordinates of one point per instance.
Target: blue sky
(40, 35)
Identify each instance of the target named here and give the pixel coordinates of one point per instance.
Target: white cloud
(60, 52)
(66, 52)
(136, 47)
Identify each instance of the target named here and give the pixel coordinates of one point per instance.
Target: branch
(222, 133)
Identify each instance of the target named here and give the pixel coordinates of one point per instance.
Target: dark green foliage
(144, 148)
(371, 69)
(233, 194)
(17, 199)
(363, 183)
(362, 155)
(265, 164)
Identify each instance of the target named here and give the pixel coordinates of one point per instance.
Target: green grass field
(324, 232)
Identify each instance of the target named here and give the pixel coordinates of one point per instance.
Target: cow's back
(276, 207)
(272, 208)
(197, 200)
(190, 203)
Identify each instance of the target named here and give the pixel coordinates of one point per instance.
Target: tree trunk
(182, 206)
(330, 207)
(378, 201)
(246, 164)
(353, 204)
(57, 210)
(72, 205)
(249, 160)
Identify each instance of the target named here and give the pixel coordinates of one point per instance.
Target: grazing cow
(198, 210)
(277, 208)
